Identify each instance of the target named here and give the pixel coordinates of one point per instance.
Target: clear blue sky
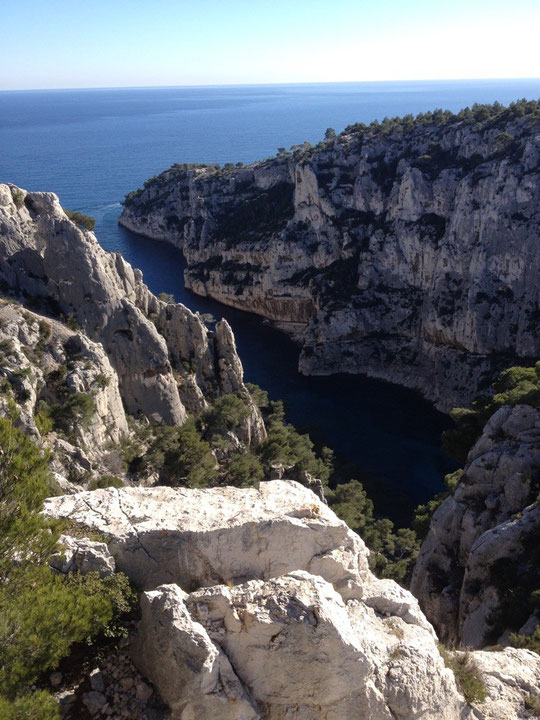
(100, 43)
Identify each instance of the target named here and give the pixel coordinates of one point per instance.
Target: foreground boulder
(198, 538)
(284, 617)
(298, 650)
(259, 604)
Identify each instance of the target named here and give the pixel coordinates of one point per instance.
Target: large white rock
(197, 538)
(166, 360)
(192, 673)
(510, 678)
(298, 650)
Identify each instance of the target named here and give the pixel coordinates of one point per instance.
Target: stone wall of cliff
(408, 251)
(478, 567)
(167, 362)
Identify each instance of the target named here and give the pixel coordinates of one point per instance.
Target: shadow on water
(391, 434)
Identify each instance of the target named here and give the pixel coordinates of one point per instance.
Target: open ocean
(91, 147)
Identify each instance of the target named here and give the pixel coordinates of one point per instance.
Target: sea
(93, 146)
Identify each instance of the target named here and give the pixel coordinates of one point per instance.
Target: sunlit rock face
(259, 604)
(478, 563)
(161, 359)
(410, 255)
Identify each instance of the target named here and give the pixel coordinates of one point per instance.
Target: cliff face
(478, 567)
(269, 611)
(409, 254)
(165, 361)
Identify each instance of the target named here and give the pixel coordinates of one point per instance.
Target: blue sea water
(91, 147)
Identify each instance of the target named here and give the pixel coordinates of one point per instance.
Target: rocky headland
(151, 566)
(407, 250)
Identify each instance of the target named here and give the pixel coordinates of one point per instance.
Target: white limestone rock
(192, 674)
(199, 538)
(166, 360)
(492, 516)
(297, 649)
(83, 555)
(409, 255)
(510, 678)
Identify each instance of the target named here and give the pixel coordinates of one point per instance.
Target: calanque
(250, 597)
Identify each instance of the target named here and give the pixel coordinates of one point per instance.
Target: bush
(105, 481)
(18, 197)
(467, 675)
(85, 220)
(528, 642)
(227, 413)
(41, 613)
(24, 484)
(37, 705)
(514, 386)
(189, 461)
(244, 470)
(532, 705)
(284, 444)
(44, 421)
(78, 410)
(102, 381)
(393, 553)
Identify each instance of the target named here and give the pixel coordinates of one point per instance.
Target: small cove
(91, 147)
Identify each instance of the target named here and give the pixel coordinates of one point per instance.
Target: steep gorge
(406, 251)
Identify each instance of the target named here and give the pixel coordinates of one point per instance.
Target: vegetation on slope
(85, 221)
(485, 117)
(42, 614)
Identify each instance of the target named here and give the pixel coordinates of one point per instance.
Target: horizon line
(271, 84)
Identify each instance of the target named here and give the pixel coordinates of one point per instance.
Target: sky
(121, 43)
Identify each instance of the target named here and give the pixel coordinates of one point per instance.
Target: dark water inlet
(91, 147)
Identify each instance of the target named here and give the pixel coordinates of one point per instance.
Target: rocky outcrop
(477, 566)
(511, 680)
(166, 360)
(82, 555)
(269, 609)
(407, 252)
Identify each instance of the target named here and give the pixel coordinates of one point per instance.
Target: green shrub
(244, 470)
(532, 705)
(105, 481)
(41, 613)
(18, 197)
(259, 396)
(189, 461)
(24, 484)
(514, 386)
(392, 553)
(77, 410)
(102, 381)
(227, 413)
(528, 642)
(77, 217)
(37, 705)
(44, 421)
(284, 444)
(467, 675)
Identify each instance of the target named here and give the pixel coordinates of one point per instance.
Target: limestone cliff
(478, 567)
(161, 359)
(407, 251)
(259, 604)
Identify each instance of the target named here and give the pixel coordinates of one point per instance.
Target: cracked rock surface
(259, 603)
(410, 254)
